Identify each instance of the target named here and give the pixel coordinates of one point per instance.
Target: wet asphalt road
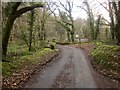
(69, 70)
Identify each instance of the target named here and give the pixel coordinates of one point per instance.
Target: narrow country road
(69, 70)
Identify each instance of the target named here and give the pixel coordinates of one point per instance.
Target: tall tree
(90, 20)
(112, 25)
(114, 13)
(97, 27)
(64, 22)
(0, 29)
(116, 6)
(43, 20)
(60, 31)
(68, 10)
(31, 23)
(61, 20)
(45, 15)
(14, 13)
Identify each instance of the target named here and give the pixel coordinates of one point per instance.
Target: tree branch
(103, 6)
(25, 9)
(15, 6)
(65, 26)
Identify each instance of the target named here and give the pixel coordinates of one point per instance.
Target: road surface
(71, 69)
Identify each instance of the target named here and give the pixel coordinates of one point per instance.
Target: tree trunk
(112, 26)
(6, 34)
(34, 42)
(42, 30)
(43, 21)
(117, 29)
(97, 28)
(0, 29)
(106, 33)
(31, 30)
(90, 21)
(68, 35)
(72, 36)
(11, 18)
(44, 35)
(112, 29)
(118, 25)
(117, 16)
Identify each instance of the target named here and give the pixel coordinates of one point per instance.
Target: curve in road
(69, 70)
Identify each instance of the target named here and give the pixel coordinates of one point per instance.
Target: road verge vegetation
(106, 59)
(16, 72)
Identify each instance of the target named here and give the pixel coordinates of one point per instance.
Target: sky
(77, 12)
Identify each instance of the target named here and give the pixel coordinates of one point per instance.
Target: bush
(52, 46)
(107, 56)
(27, 57)
(54, 40)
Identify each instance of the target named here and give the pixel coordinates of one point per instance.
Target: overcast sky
(80, 13)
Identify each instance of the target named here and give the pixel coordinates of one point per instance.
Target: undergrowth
(107, 57)
(16, 63)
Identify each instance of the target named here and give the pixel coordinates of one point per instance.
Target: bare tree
(116, 6)
(111, 15)
(68, 10)
(97, 31)
(114, 12)
(90, 20)
(62, 19)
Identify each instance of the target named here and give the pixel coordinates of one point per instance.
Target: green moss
(8, 67)
(107, 56)
(98, 43)
(31, 57)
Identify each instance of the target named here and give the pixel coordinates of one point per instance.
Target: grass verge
(16, 72)
(107, 60)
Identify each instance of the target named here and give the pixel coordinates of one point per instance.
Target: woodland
(32, 30)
